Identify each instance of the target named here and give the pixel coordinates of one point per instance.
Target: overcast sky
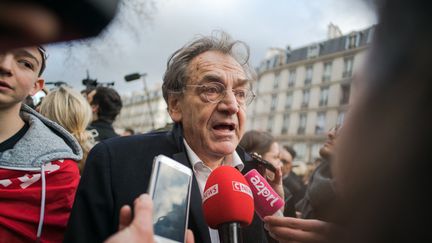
(146, 32)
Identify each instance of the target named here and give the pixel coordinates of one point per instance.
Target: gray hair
(176, 75)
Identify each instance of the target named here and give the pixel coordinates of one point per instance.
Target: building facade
(143, 113)
(304, 92)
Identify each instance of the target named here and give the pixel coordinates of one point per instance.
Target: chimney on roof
(333, 31)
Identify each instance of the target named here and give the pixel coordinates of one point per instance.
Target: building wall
(269, 108)
(136, 112)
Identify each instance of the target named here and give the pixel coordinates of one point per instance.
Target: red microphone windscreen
(227, 198)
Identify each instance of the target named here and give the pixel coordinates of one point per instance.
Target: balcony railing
(301, 130)
(347, 74)
(326, 78)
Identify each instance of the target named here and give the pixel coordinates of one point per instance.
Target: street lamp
(136, 76)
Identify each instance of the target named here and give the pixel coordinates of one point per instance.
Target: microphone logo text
(263, 190)
(210, 192)
(240, 187)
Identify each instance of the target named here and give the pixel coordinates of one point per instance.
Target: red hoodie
(20, 202)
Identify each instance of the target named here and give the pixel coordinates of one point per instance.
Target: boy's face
(19, 71)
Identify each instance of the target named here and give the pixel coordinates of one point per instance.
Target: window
(306, 96)
(320, 123)
(300, 148)
(273, 102)
(302, 123)
(345, 94)
(370, 35)
(285, 123)
(288, 100)
(313, 51)
(327, 72)
(353, 40)
(268, 63)
(340, 118)
(291, 78)
(275, 61)
(324, 96)
(270, 123)
(276, 80)
(308, 78)
(316, 147)
(348, 67)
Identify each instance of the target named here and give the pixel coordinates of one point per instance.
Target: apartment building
(143, 113)
(302, 93)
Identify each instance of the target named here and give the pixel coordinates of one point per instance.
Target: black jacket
(117, 171)
(320, 200)
(105, 130)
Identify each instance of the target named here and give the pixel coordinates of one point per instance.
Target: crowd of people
(66, 175)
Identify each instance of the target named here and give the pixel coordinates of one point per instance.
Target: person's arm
(92, 217)
(287, 229)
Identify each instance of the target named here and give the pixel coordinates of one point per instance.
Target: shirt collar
(195, 160)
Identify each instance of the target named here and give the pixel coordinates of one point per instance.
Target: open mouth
(4, 84)
(224, 127)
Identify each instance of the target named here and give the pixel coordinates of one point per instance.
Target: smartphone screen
(171, 193)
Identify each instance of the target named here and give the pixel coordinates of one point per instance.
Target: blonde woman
(71, 110)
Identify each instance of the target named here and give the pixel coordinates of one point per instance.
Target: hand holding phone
(170, 188)
(260, 162)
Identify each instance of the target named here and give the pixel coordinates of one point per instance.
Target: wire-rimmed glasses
(214, 92)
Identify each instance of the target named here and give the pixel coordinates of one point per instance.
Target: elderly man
(207, 88)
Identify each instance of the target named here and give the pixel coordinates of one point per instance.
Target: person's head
(263, 144)
(382, 164)
(291, 150)
(70, 110)
(207, 88)
(328, 149)
(286, 159)
(105, 102)
(20, 71)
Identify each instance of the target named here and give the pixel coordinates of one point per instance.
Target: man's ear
(37, 86)
(174, 108)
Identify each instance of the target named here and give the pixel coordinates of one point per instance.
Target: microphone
(266, 200)
(228, 203)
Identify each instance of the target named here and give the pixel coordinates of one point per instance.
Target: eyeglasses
(214, 92)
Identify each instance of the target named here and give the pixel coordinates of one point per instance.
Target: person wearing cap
(38, 169)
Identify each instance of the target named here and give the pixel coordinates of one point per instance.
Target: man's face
(286, 159)
(273, 155)
(328, 149)
(212, 130)
(19, 71)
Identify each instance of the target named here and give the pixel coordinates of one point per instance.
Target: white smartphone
(170, 188)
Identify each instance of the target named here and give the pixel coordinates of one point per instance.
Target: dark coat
(320, 200)
(105, 130)
(118, 171)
